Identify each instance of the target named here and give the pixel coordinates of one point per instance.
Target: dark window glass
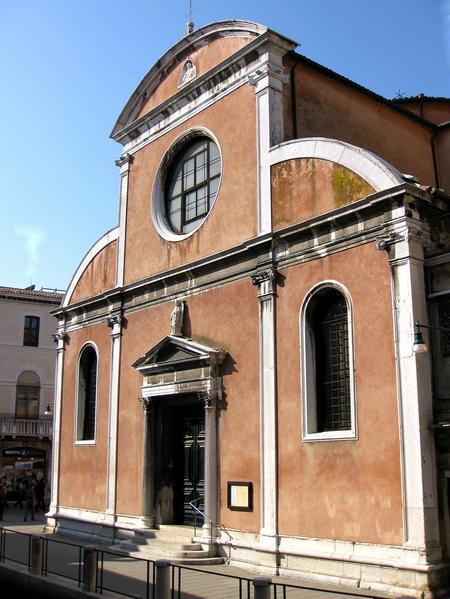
(87, 390)
(329, 323)
(444, 322)
(31, 331)
(192, 184)
(27, 401)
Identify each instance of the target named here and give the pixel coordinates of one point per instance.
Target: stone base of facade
(401, 571)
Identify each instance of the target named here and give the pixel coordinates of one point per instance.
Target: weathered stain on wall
(99, 276)
(306, 187)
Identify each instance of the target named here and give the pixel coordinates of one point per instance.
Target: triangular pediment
(177, 352)
(174, 59)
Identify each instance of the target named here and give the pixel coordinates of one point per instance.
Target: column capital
(59, 338)
(266, 280)
(115, 322)
(125, 160)
(147, 404)
(211, 400)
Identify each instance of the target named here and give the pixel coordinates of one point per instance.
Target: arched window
(327, 366)
(87, 394)
(27, 395)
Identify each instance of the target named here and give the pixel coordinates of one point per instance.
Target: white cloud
(33, 239)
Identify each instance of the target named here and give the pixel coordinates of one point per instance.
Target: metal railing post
(36, 555)
(162, 582)
(90, 558)
(261, 585)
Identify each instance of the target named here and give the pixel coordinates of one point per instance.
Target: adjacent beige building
(27, 372)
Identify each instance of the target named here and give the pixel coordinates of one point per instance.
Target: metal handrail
(244, 581)
(205, 517)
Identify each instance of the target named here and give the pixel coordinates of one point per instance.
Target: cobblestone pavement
(124, 575)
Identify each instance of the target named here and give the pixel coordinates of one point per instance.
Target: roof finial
(189, 24)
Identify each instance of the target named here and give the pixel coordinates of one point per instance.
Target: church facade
(239, 350)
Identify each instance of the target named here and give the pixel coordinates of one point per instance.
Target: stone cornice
(362, 222)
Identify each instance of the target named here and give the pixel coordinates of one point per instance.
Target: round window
(191, 185)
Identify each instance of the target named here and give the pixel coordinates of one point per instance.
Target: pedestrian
(3, 496)
(20, 492)
(40, 490)
(30, 500)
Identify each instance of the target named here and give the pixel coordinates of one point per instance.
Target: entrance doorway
(180, 471)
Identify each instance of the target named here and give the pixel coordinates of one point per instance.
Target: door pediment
(177, 353)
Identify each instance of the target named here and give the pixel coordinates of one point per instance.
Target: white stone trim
(308, 400)
(123, 204)
(98, 246)
(374, 170)
(268, 82)
(54, 493)
(268, 409)
(93, 441)
(158, 209)
(418, 461)
(111, 476)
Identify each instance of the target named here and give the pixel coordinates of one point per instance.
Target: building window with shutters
(87, 394)
(28, 390)
(328, 395)
(31, 331)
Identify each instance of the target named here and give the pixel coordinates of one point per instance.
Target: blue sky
(67, 68)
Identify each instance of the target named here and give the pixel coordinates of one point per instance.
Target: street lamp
(420, 346)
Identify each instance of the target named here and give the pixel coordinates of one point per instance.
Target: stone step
(174, 543)
(186, 561)
(165, 550)
(166, 533)
(160, 542)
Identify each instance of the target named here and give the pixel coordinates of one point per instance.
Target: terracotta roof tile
(31, 294)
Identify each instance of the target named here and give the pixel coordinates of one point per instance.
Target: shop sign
(22, 452)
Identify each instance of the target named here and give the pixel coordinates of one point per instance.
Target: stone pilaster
(265, 280)
(124, 162)
(420, 503)
(115, 323)
(59, 339)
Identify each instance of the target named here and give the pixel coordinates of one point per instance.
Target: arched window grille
(327, 366)
(87, 394)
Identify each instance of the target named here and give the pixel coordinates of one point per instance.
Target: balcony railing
(26, 427)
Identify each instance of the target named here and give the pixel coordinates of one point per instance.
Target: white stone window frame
(79, 409)
(158, 204)
(308, 380)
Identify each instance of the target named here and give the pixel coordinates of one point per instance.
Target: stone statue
(188, 72)
(176, 319)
